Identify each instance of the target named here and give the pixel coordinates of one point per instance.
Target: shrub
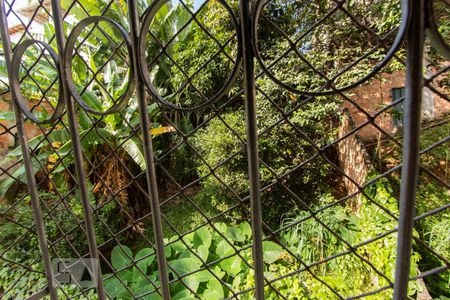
(189, 256)
(281, 148)
(433, 230)
(349, 274)
(64, 226)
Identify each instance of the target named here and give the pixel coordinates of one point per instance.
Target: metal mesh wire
(347, 153)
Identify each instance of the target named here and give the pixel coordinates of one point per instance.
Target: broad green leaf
(178, 246)
(184, 265)
(89, 138)
(224, 249)
(218, 272)
(116, 289)
(132, 147)
(127, 275)
(203, 252)
(143, 286)
(188, 238)
(192, 282)
(204, 276)
(80, 68)
(235, 234)
(246, 229)
(84, 121)
(121, 257)
(20, 174)
(271, 251)
(56, 135)
(214, 290)
(148, 256)
(202, 236)
(167, 251)
(153, 296)
(152, 109)
(189, 254)
(221, 227)
(176, 287)
(90, 98)
(232, 265)
(185, 295)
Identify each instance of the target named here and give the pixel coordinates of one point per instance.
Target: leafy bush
(434, 231)
(64, 228)
(311, 240)
(282, 148)
(430, 195)
(19, 283)
(203, 247)
(438, 157)
(349, 274)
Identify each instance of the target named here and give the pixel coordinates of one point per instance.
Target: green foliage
(282, 148)
(438, 156)
(430, 195)
(196, 52)
(432, 135)
(434, 231)
(348, 274)
(313, 241)
(19, 283)
(100, 94)
(330, 47)
(27, 282)
(338, 43)
(189, 256)
(63, 228)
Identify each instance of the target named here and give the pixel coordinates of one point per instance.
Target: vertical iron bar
(252, 145)
(148, 150)
(77, 151)
(411, 146)
(31, 180)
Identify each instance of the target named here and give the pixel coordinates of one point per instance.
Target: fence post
(31, 180)
(148, 150)
(252, 144)
(411, 146)
(77, 151)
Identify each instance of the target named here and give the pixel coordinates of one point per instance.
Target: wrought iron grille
(111, 145)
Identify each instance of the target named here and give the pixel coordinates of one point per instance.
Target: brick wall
(6, 137)
(376, 94)
(353, 157)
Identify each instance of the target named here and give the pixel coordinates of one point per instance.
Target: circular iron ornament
(68, 53)
(433, 33)
(15, 82)
(148, 18)
(404, 23)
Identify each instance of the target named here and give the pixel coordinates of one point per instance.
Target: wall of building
(6, 138)
(7, 130)
(353, 158)
(376, 94)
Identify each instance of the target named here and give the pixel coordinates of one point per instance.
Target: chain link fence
(224, 149)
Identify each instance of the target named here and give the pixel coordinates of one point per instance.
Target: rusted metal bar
(411, 147)
(252, 145)
(31, 180)
(148, 150)
(77, 151)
